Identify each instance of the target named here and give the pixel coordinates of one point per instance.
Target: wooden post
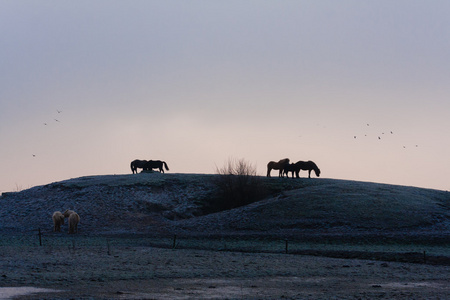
(174, 241)
(40, 237)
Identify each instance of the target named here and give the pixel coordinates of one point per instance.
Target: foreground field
(123, 269)
(160, 236)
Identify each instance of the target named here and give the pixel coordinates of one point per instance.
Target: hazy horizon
(89, 86)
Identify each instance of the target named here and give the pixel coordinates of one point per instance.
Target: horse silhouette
(135, 164)
(277, 166)
(289, 168)
(301, 165)
(156, 164)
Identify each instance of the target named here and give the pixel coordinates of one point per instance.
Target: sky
(88, 86)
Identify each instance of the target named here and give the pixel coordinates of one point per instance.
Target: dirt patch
(14, 292)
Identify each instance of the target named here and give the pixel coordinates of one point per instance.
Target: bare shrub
(238, 184)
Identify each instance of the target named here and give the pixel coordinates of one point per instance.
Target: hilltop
(154, 203)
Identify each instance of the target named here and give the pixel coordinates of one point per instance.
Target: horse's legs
(309, 173)
(268, 171)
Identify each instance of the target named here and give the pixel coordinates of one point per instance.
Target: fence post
(174, 241)
(40, 237)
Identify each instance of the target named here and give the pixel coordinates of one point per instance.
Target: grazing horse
(137, 164)
(74, 219)
(289, 168)
(277, 166)
(58, 220)
(156, 164)
(303, 165)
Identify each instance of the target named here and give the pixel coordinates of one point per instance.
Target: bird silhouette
(59, 111)
(56, 120)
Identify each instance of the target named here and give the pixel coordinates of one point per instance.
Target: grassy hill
(154, 203)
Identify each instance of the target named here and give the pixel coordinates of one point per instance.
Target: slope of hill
(154, 203)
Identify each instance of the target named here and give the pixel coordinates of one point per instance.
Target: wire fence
(418, 253)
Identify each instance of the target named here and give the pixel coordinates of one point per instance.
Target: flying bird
(45, 124)
(59, 111)
(56, 120)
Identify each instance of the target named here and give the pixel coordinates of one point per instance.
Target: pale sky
(195, 83)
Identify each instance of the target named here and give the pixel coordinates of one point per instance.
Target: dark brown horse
(277, 166)
(156, 164)
(135, 164)
(289, 168)
(302, 165)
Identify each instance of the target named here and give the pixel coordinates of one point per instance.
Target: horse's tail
(165, 165)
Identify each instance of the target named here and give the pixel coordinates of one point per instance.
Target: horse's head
(317, 170)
